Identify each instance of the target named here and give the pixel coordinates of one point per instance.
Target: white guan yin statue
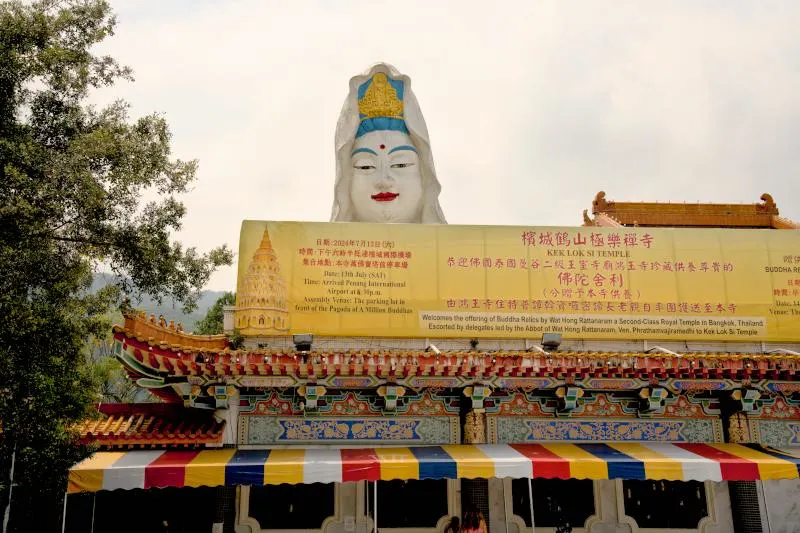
(384, 165)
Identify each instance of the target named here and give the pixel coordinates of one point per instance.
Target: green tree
(212, 324)
(72, 182)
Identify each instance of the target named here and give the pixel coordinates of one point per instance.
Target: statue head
(384, 165)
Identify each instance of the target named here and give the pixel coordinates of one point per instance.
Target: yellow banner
(412, 280)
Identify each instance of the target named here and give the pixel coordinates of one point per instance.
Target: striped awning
(183, 468)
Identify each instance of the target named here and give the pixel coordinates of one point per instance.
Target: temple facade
(622, 434)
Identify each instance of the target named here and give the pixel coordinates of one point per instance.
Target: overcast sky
(532, 106)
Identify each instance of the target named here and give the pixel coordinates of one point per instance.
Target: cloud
(532, 107)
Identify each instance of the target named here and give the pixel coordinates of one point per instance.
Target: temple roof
(186, 372)
(698, 215)
(158, 330)
(151, 425)
(204, 372)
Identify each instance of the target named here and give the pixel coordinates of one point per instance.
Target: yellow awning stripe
(471, 462)
(397, 463)
(208, 468)
(88, 474)
(582, 464)
(656, 465)
(284, 466)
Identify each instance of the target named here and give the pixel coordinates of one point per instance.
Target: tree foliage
(72, 179)
(212, 323)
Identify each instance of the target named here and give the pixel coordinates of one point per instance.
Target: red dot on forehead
(383, 147)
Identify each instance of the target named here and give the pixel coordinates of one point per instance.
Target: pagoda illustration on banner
(261, 296)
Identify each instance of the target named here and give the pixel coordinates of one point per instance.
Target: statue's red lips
(385, 196)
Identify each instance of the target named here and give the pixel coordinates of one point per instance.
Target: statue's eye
(402, 165)
(365, 167)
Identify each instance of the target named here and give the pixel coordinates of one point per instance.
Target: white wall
(782, 503)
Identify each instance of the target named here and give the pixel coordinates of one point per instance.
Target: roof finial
(769, 203)
(599, 204)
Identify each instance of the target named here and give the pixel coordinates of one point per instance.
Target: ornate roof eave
(164, 365)
(153, 330)
(204, 371)
(151, 425)
(601, 220)
(657, 214)
(778, 222)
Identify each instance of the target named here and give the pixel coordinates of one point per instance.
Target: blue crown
(380, 105)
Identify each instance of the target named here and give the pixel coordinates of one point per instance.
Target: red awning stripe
(360, 464)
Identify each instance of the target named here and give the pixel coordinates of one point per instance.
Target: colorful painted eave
(659, 214)
(231, 467)
(151, 425)
(147, 358)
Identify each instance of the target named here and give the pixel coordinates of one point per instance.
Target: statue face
(386, 184)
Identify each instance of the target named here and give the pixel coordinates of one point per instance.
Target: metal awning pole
(94, 502)
(505, 505)
(64, 516)
(375, 506)
(7, 512)
(530, 501)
